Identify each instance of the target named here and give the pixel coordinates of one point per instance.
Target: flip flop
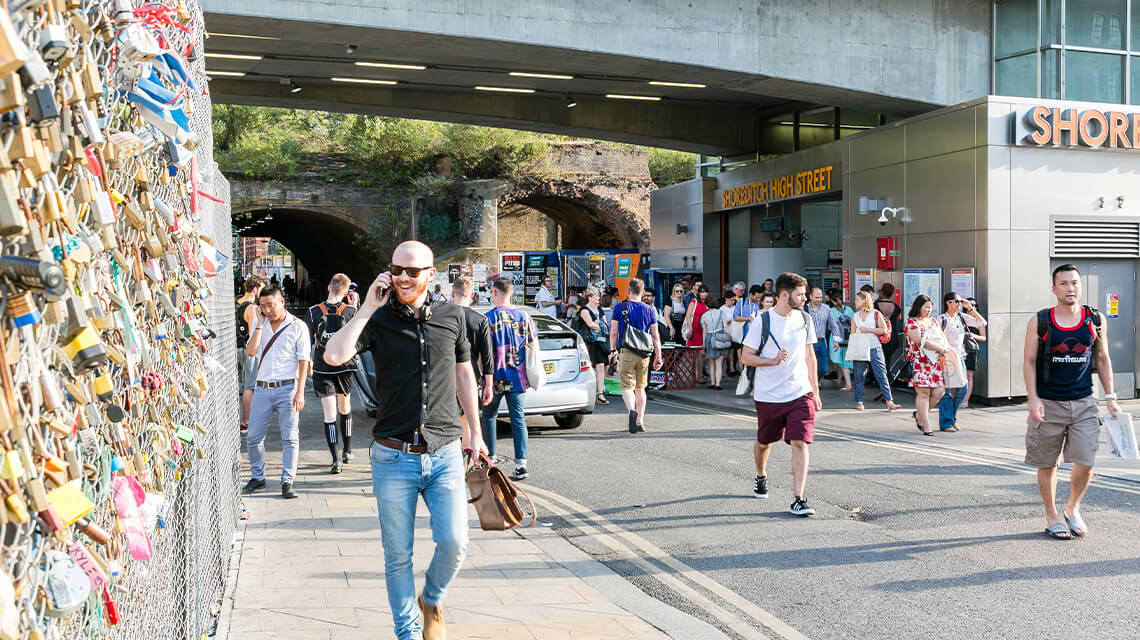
(1059, 531)
(1077, 525)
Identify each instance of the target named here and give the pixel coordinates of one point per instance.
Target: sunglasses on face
(413, 272)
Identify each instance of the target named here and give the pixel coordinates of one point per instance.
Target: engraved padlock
(66, 583)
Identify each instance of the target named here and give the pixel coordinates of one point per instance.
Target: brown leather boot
(434, 627)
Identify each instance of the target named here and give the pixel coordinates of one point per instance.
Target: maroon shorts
(787, 421)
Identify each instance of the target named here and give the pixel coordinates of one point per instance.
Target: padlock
(53, 41)
(104, 387)
(17, 508)
(12, 219)
(84, 349)
(98, 534)
(49, 388)
(38, 275)
(23, 310)
(13, 53)
(11, 93)
(66, 584)
(42, 107)
(34, 72)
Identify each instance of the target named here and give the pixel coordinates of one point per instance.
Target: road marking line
(605, 531)
(959, 456)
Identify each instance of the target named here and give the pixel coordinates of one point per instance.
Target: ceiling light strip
(391, 65)
(684, 85)
(232, 74)
(546, 76)
(622, 96)
(232, 56)
(213, 34)
(363, 81)
(504, 89)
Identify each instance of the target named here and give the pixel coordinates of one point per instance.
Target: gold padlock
(11, 93)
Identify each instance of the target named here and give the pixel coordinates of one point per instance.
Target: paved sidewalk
(313, 568)
(996, 432)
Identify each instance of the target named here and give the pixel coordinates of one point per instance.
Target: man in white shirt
(544, 298)
(281, 343)
(786, 388)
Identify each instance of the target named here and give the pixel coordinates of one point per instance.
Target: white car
(570, 390)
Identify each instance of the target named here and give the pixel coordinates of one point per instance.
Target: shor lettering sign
(801, 183)
(1043, 126)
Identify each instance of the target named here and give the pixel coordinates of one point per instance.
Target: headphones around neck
(405, 312)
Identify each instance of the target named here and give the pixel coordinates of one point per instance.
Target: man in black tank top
(1061, 346)
(246, 318)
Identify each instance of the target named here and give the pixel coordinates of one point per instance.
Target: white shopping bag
(1121, 437)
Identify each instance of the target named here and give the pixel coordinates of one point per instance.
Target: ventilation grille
(1096, 239)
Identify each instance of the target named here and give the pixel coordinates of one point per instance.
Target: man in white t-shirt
(786, 392)
(544, 298)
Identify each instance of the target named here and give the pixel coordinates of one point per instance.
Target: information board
(863, 277)
(927, 282)
(962, 282)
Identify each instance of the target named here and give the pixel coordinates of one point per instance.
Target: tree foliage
(267, 142)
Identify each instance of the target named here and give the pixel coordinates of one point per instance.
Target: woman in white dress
(866, 326)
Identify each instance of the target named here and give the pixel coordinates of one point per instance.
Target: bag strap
(324, 309)
(269, 345)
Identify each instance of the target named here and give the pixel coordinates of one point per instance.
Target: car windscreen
(546, 324)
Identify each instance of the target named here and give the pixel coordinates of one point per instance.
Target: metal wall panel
(1029, 271)
(877, 148)
(993, 124)
(881, 183)
(995, 270)
(993, 186)
(949, 132)
(940, 193)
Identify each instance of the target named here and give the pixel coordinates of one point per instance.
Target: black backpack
(766, 329)
(1045, 338)
(331, 321)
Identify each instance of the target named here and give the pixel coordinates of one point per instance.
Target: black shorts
(599, 352)
(327, 384)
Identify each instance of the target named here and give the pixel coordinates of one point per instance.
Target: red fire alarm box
(888, 253)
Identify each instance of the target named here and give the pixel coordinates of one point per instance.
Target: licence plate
(549, 367)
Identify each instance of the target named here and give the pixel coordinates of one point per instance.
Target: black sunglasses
(414, 272)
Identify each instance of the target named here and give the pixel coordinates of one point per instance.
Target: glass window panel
(1017, 76)
(1051, 74)
(1051, 23)
(1095, 23)
(1135, 26)
(1135, 79)
(1016, 26)
(1095, 77)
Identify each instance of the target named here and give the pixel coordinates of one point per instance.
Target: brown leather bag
(495, 497)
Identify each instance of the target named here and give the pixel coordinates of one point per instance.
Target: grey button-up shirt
(821, 318)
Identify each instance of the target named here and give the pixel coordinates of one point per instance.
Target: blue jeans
(518, 423)
(265, 403)
(821, 358)
(398, 479)
(948, 406)
(878, 368)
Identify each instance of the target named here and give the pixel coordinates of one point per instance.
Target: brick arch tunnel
(589, 219)
(323, 242)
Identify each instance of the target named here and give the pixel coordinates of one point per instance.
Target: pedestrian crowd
(448, 368)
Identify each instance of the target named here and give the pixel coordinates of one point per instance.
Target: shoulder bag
(535, 372)
(885, 337)
(636, 340)
(495, 497)
(687, 325)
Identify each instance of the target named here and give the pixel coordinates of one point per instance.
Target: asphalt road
(905, 543)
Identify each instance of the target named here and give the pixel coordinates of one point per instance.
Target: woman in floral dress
(928, 378)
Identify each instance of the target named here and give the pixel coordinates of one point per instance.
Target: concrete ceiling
(720, 118)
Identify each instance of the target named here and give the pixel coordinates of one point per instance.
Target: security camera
(893, 211)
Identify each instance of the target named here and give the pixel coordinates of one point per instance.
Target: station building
(983, 198)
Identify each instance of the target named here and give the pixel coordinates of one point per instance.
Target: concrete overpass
(752, 64)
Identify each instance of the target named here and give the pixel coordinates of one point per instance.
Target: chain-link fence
(174, 432)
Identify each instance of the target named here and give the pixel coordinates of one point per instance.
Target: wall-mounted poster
(927, 282)
(962, 282)
(512, 267)
(863, 277)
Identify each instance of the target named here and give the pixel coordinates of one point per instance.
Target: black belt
(274, 384)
